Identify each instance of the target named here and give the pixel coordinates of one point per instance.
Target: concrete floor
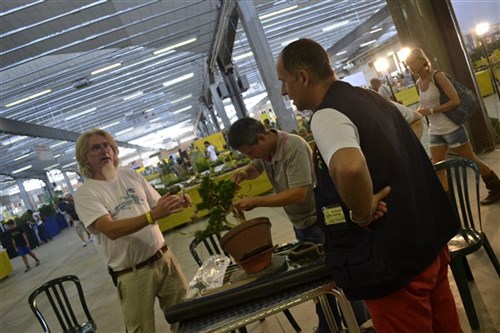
(65, 255)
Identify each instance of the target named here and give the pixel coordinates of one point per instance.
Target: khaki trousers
(137, 291)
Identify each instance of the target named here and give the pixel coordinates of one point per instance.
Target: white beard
(109, 171)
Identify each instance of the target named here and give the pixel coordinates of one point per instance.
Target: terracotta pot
(258, 261)
(248, 239)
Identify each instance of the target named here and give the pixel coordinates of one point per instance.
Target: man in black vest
(386, 217)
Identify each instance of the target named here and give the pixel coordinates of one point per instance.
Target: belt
(158, 254)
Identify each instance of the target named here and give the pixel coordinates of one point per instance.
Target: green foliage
(47, 210)
(217, 198)
(23, 219)
(202, 165)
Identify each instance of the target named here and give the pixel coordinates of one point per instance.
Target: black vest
(374, 263)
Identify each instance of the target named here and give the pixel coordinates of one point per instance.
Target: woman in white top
(443, 132)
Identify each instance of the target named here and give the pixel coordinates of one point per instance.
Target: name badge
(333, 215)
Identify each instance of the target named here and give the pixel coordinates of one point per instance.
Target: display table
(5, 265)
(250, 188)
(235, 307)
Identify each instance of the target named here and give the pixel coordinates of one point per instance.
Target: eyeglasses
(99, 147)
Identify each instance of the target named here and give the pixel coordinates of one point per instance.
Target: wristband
(361, 223)
(149, 218)
(431, 110)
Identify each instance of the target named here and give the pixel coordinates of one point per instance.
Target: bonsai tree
(217, 198)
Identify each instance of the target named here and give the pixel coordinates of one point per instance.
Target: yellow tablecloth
(249, 188)
(5, 266)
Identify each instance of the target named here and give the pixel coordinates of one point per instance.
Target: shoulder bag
(469, 102)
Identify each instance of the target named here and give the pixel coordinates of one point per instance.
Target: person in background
(121, 208)
(37, 219)
(382, 89)
(413, 118)
(79, 227)
(444, 134)
(385, 214)
(21, 243)
(287, 160)
(211, 153)
(61, 209)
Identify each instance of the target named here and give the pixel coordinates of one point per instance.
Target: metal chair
(213, 247)
(470, 237)
(56, 291)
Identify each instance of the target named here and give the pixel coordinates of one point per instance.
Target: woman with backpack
(443, 132)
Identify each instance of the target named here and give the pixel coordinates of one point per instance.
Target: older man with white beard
(121, 209)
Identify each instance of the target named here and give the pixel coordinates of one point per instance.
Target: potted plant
(246, 241)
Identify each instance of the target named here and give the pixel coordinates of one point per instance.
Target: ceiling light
(183, 109)
(51, 167)
(149, 110)
(67, 165)
(243, 56)
(341, 53)
(58, 144)
(281, 11)
(155, 120)
(404, 53)
(375, 30)
(124, 131)
(80, 114)
(107, 68)
(168, 48)
(22, 100)
(12, 139)
(368, 43)
(390, 53)
(381, 64)
(177, 80)
(335, 26)
(22, 156)
(289, 41)
(134, 95)
(22, 169)
(181, 99)
(110, 125)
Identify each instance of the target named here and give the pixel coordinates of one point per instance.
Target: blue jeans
(312, 234)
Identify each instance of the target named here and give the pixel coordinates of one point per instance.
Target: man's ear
(261, 137)
(304, 77)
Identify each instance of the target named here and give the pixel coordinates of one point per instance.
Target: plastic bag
(209, 276)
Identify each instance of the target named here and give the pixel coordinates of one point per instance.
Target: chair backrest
(211, 245)
(459, 179)
(58, 294)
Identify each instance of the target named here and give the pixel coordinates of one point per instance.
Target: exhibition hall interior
(167, 79)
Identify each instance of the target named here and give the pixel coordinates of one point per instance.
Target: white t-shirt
(407, 113)
(128, 195)
(384, 91)
(332, 130)
(211, 153)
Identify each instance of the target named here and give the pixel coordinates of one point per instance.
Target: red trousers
(425, 305)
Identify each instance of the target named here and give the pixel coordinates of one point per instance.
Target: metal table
(242, 315)
(232, 308)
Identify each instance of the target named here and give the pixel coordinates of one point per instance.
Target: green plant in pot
(246, 241)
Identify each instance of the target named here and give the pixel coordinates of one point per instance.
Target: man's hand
(239, 176)
(246, 204)
(380, 207)
(166, 205)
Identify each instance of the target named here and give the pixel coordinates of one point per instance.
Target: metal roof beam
(366, 26)
(16, 127)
